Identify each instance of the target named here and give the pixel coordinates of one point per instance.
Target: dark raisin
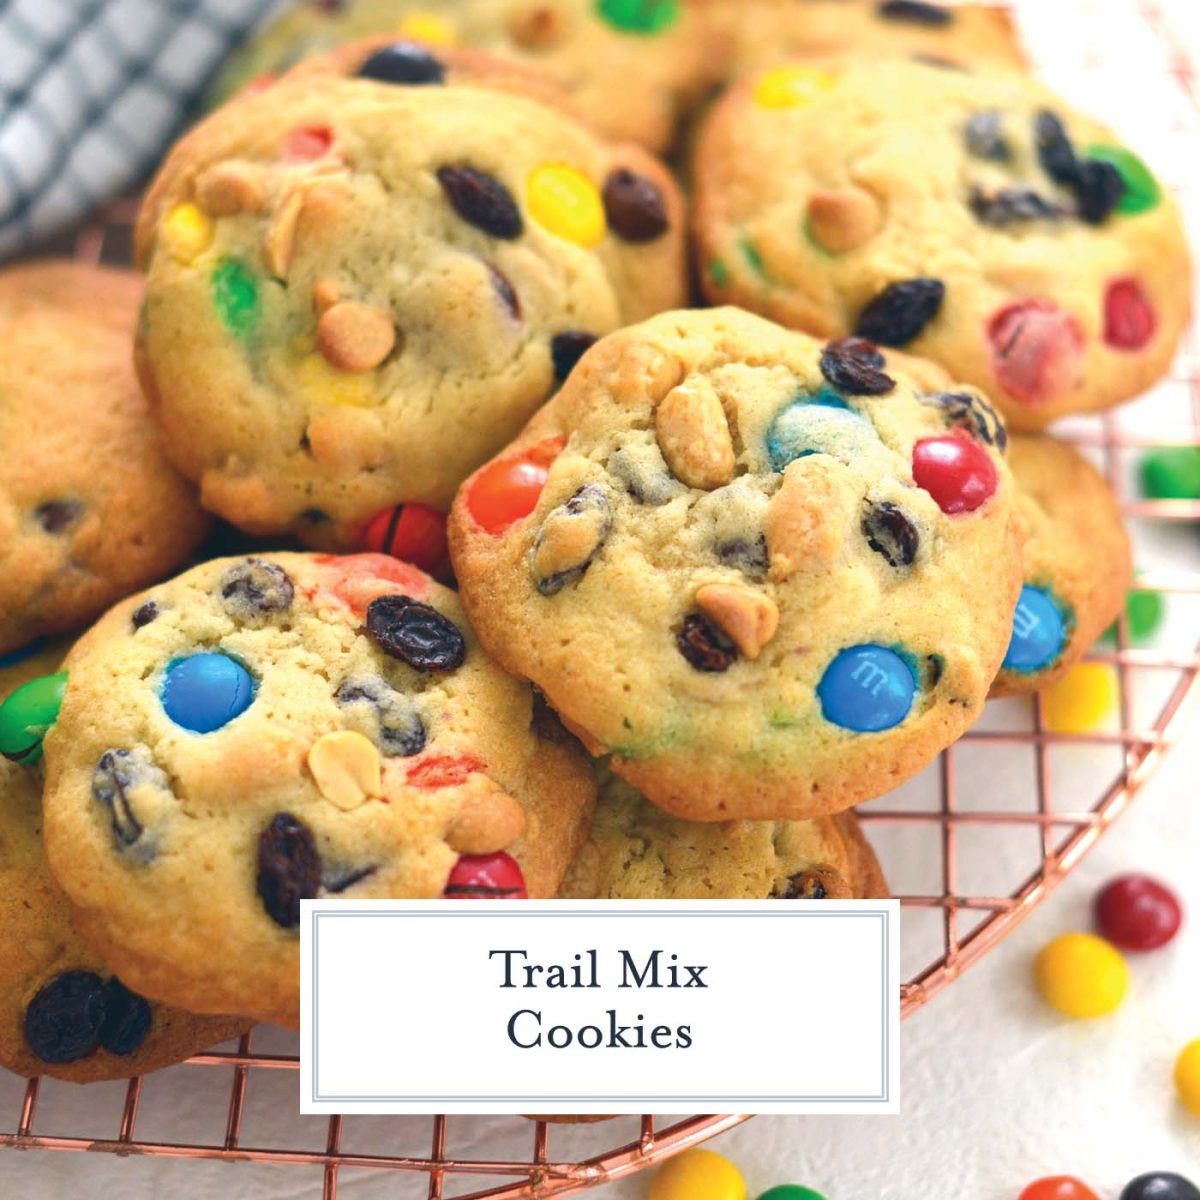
(819, 883)
(546, 724)
(403, 62)
(567, 349)
(916, 11)
(314, 516)
(117, 775)
(127, 1019)
(634, 206)
(965, 410)
(644, 473)
(985, 136)
(255, 588)
(503, 288)
(1054, 148)
(749, 557)
(1012, 206)
(144, 614)
(890, 531)
(62, 1022)
(853, 366)
(901, 311)
(935, 668)
(704, 645)
(57, 516)
(942, 64)
(384, 715)
(289, 869)
(583, 522)
(416, 634)
(1098, 190)
(482, 200)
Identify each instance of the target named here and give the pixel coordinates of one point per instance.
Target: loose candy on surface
(564, 202)
(867, 689)
(413, 532)
(1136, 912)
(1058, 1187)
(1082, 699)
(486, 877)
(697, 1175)
(204, 692)
(1160, 1185)
(1171, 473)
(1039, 632)
(27, 714)
(791, 1191)
(505, 491)
(1187, 1077)
(956, 471)
(1081, 975)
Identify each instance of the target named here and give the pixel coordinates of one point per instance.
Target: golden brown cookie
(975, 220)
(357, 291)
(90, 510)
(1078, 563)
(772, 577)
(261, 731)
(62, 1011)
(637, 852)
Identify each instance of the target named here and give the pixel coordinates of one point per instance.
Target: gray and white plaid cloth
(91, 92)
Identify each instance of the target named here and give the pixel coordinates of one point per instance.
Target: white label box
(600, 1007)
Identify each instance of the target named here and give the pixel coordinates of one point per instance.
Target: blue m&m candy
(206, 691)
(867, 689)
(1039, 632)
(823, 424)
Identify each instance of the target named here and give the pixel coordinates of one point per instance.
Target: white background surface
(997, 1089)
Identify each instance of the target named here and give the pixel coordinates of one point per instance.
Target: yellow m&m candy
(1187, 1077)
(1082, 698)
(565, 202)
(698, 1175)
(792, 87)
(188, 232)
(1081, 975)
(429, 28)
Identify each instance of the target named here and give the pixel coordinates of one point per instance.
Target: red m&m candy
(415, 533)
(956, 471)
(486, 877)
(1129, 317)
(1058, 1187)
(306, 143)
(1136, 912)
(507, 490)
(1037, 350)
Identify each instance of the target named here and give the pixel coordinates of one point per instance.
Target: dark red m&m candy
(1129, 317)
(414, 533)
(1136, 912)
(956, 471)
(486, 877)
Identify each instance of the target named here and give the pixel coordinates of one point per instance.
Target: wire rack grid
(956, 909)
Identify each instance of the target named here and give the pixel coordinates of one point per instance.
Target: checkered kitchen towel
(91, 92)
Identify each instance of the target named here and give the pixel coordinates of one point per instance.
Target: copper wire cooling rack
(1011, 778)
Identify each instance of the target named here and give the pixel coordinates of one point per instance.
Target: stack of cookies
(523, 578)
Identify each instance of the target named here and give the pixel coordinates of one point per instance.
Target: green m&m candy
(791, 1191)
(1144, 611)
(235, 297)
(639, 16)
(1171, 473)
(1142, 191)
(27, 714)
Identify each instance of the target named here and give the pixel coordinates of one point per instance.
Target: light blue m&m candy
(867, 689)
(1039, 632)
(822, 424)
(206, 691)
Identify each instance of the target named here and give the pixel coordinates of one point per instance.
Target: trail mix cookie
(766, 33)
(62, 1012)
(637, 852)
(90, 510)
(974, 220)
(1078, 563)
(358, 290)
(629, 67)
(772, 577)
(264, 730)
